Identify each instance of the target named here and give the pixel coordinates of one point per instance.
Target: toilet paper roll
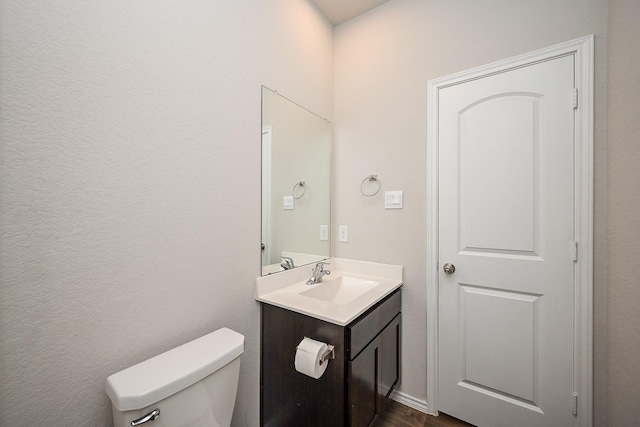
(308, 354)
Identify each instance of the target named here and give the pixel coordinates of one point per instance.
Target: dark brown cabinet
(352, 390)
(373, 374)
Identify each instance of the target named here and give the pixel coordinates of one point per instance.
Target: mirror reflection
(296, 153)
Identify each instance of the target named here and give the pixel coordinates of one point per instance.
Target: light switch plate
(393, 199)
(288, 203)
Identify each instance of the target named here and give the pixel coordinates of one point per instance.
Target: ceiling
(339, 11)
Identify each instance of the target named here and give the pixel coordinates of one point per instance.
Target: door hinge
(575, 403)
(575, 98)
(575, 251)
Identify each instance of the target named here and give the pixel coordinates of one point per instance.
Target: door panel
(488, 357)
(505, 144)
(363, 388)
(390, 358)
(497, 214)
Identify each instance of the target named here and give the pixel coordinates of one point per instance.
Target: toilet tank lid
(168, 373)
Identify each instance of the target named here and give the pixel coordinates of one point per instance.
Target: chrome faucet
(318, 273)
(287, 263)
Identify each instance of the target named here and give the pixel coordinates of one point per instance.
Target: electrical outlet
(324, 232)
(343, 233)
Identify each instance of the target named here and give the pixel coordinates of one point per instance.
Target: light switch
(393, 199)
(343, 233)
(324, 232)
(287, 203)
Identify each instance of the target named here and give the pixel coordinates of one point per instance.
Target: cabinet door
(363, 380)
(373, 375)
(390, 356)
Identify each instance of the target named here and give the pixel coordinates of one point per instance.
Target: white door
(506, 223)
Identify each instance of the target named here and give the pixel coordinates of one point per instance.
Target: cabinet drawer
(369, 325)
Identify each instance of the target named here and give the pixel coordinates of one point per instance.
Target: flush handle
(151, 416)
(449, 268)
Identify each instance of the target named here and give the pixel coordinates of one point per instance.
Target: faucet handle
(320, 266)
(318, 272)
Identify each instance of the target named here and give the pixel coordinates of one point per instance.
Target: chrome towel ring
(298, 190)
(376, 186)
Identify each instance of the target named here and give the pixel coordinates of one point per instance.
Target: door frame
(582, 49)
(267, 214)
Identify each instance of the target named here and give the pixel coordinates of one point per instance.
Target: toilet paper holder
(329, 354)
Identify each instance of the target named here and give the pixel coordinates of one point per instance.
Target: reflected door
(506, 182)
(266, 195)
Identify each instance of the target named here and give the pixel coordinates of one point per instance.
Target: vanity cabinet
(373, 368)
(352, 390)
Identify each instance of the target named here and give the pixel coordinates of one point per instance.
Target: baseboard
(410, 401)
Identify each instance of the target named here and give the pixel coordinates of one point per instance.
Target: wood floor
(399, 415)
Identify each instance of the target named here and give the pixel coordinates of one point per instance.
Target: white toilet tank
(190, 386)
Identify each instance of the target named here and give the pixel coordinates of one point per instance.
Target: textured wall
(130, 174)
(131, 185)
(383, 61)
(623, 128)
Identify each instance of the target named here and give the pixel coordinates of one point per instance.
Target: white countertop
(286, 289)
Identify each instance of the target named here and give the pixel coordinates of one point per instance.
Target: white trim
(267, 214)
(410, 401)
(582, 49)
(432, 248)
(583, 343)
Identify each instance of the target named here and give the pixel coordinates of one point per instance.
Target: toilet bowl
(192, 385)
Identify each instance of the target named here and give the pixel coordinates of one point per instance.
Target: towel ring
(298, 186)
(370, 178)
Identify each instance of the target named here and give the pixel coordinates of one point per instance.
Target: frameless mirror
(296, 157)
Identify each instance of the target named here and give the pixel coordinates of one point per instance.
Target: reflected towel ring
(370, 178)
(299, 185)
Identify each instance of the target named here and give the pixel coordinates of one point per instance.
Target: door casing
(267, 215)
(582, 49)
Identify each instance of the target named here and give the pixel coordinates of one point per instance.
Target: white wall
(383, 61)
(623, 128)
(131, 185)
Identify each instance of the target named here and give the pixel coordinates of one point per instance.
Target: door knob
(449, 268)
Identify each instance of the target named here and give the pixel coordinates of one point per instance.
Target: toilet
(192, 385)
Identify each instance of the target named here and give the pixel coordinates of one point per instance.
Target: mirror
(296, 155)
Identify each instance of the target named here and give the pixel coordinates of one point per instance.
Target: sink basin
(340, 290)
(351, 288)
